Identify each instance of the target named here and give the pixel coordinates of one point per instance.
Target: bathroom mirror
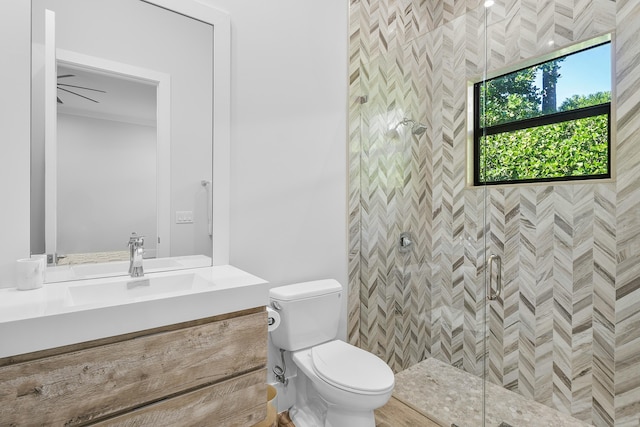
(122, 135)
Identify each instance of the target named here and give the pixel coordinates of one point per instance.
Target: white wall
(15, 45)
(289, 132)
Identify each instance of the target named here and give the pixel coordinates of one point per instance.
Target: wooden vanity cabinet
(209, 372)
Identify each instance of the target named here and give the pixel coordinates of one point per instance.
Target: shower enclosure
(561, 332)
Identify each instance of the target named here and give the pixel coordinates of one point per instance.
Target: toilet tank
(309, 313)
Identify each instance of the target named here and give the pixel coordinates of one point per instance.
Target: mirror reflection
(121, 136)
(106, 165)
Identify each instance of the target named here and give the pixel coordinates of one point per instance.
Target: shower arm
(405, 121)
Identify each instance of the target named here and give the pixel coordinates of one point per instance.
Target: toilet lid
(349, 367)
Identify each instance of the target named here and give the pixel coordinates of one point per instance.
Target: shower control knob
(405, 243)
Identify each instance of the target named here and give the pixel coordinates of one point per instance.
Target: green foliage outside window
(523, 136)
(576, 148)
(509, 98)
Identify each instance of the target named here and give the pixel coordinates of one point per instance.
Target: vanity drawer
(223, 404)
(104, 379)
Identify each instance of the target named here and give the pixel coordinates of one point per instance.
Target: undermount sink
(131, 290)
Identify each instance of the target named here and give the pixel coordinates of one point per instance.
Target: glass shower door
(541, 145)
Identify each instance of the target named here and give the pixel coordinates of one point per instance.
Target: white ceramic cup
(29, 273)
(43, 260)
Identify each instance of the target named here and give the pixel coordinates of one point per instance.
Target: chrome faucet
(136, 250)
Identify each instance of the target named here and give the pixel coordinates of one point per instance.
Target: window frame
(477, 132)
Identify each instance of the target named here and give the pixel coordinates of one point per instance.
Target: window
(547, 122)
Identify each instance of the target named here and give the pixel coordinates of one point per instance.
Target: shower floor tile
(449, 396)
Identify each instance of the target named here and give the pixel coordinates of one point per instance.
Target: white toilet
(350, 382)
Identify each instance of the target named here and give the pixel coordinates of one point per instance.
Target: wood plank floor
(396, 414)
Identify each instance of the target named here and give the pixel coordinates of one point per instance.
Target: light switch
(184, 217)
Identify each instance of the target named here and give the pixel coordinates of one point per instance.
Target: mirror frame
(221, 22)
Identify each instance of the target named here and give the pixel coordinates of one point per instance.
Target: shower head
(417, 129)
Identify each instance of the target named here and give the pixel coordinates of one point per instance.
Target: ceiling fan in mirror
(63, 86)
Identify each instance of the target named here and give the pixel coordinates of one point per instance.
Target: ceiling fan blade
(77, 94)
(66, 75)
(81, 87)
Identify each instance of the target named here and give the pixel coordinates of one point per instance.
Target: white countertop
(50, 317)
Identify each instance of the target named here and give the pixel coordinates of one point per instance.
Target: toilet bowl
(337, 384)
(351, 381)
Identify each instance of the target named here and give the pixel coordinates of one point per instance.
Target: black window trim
(542, 120)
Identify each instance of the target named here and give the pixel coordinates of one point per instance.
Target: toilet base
(336, 417)
(302, 417)
(311, 410)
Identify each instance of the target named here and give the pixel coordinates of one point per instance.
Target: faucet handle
(136, 240)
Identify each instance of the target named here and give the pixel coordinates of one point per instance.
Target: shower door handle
(491, 295)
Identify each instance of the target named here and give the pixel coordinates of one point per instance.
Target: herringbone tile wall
(566, 331)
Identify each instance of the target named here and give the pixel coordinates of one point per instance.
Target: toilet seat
(350, 368)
